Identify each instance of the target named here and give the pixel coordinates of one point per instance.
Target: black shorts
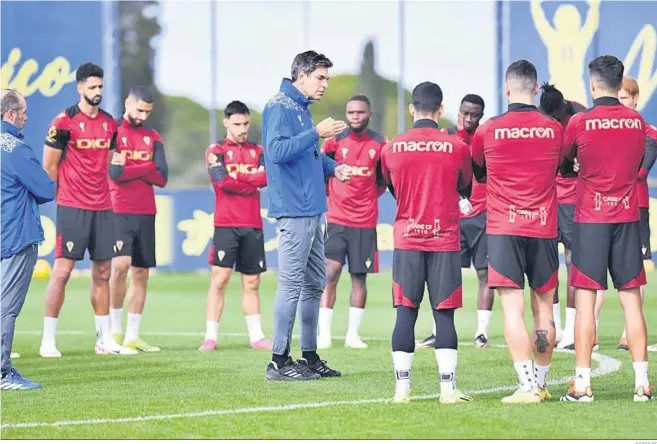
(510, 258)
(135, 237)
(243, 248)
(601, 247)
(80, 230)
(441, 271)
(474, 246)
(565, 221)
(644, 226)
(357, 245)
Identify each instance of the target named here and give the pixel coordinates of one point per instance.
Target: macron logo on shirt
(524, 133)
(598, 124)
(432, 145)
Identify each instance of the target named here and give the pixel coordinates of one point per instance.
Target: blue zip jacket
(25, 185)
(295, 168)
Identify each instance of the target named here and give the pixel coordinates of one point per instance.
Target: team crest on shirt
(82, 126)
(213, 160)
(104, 126)
(230, 155)
(221, 255)
(372, 153)
(147, 140)
(344, 152)
(69, 246)
(125, 141)
(253, 153)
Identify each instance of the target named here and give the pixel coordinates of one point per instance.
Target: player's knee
(140, 275)
(445, 329)
(333, 271)
(251, 282)
(219, 279)
(359, 284)
(482, 275)
(403, 335)
(101, 271)
(62, 271)
(120, 267)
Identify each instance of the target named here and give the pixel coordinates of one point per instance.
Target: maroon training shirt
(86, 141)
(566, 186)
(355, 203)
(237, 200)
(648, 162)
(519, 152)
(131, 186)
(426, 169)
(609, 142)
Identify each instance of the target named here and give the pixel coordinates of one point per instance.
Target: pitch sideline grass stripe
(606, 366)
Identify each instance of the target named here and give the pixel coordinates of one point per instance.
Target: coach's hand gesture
(329, 127)
(342, 172)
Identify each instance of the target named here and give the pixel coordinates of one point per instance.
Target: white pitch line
(606, 366)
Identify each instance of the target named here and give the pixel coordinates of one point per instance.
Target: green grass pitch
(182, 393)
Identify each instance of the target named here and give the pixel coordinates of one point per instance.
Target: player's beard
(95, 101)
(134, 122)
(360, 128)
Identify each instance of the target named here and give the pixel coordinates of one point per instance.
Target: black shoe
(319, 368)
(290, 371)
(481, 341)
(426, 343)
(570, 346)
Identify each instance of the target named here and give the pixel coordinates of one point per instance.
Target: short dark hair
(236, 107)
(552, 101)
(523, 74)
(141, 93)
(308, 62)
(608, 71)
(427, 97)
(87, 70)
(360, 98)
(474, 99)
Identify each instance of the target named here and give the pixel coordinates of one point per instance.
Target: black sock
(311, 356)
(279, 360)
(403, 335)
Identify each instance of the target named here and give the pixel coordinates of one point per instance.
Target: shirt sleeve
(259, 179)
(59, 132)
(385, 173)
(31, 175)
(328, 165)
(570, 147)
(160, 176)
(465, 173)
(281, 143)
(477, 153)
(214, 160)
(650, 156)
(329, 147)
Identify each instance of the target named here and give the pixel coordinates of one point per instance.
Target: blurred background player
(629, 96)
(606, 233)
(473, 225)
(76, 155)
(518, 153)
(554, 105)
(353, 212)
(426, 171)
(237, 172)
(138, 164)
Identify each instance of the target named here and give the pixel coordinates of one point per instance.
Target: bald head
(13, 108)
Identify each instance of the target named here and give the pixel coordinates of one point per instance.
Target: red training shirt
(425, 169)
(566, 186)
(648, 161)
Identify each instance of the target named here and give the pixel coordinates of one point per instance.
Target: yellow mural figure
(566, 44)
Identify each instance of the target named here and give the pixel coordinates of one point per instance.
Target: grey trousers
(301, 280)
(16, 276)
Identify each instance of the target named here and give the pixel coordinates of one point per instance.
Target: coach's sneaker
(575, 396)
(481, 341)
(141, 345)
(289, 371)
(402, 396)
(544, 394)
(323, 342)
(262, 344)
(14, 381)
(523, 396)
(353, 341)
(622, 344)
(49, 351)
(14, 355)
(567, 343)
(642, 394)
(111, 347)
(208, 345)
(455, 396)
(427, 342)
(319, 368)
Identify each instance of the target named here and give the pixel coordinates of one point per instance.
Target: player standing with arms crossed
(607, 234)
(519, 153)
(138, 164)
(237, 172)
(353, 212)
(426, 170)
(76, 155)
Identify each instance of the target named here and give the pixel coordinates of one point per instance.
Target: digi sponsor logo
(360, 171)
(524, 214)
(92, 144)
(242, 168)
(423, 230)
(137, 154)
(433, 145)
(598, 124)
(610, 201)
(537, 132)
